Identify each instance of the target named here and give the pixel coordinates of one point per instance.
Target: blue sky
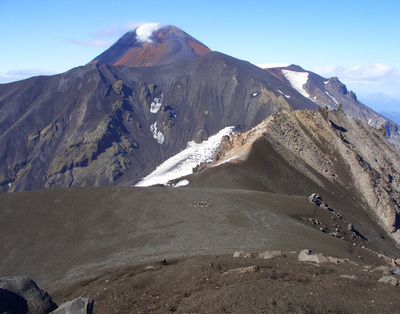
(358, 41)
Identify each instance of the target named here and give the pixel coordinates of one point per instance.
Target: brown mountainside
(165, 45)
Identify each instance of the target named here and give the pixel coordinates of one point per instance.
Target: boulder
(271, 254)
(79, 305)
(308, 256)
(22, 295)
(389, 280)
(242, 254)
(338, 260)
(316, 199)
(151, 267)
(243, 270)
(384, 269)
(351, 277)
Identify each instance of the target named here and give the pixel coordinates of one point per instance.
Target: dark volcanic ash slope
(349, 163)
(104, 125)
(331, 92)
(165, 45)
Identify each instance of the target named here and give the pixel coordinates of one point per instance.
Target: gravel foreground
(223, 283)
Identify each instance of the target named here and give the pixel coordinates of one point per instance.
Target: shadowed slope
(350, 164)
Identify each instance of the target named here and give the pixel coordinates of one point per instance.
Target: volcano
(150, 45)
(307, 171)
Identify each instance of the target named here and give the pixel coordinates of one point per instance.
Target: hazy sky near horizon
(358, 41)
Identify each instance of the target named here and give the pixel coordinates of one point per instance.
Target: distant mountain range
(330, 93)
(386, 105)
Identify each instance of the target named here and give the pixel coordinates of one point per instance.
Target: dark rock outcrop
(79, 305)
(22, 295)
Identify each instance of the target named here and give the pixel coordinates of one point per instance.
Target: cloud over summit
(144, 32)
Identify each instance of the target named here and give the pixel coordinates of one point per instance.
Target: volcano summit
(151, 45)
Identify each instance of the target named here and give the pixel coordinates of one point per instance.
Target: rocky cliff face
(104, 125)
(351, 162)
(330, 93)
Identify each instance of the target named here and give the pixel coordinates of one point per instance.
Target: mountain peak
(151, 45)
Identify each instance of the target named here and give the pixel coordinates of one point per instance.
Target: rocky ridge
(346, 152)
(331, 93)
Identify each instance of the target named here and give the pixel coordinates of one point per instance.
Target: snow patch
(326, 82)
(156, 104)
(157, 133)
(183, 182)
(282, 93)
(254, 94)
(297, 80)
(369, 121)
(226, 161)
(182, 164)
(144, 32)
(333, 98)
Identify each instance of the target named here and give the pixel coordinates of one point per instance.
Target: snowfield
(297, 80)
(182, 164)
(157, 134)
(333, 98)
(283, 94)
(156, 104)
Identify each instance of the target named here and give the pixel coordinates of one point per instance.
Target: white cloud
(380, 77)
(356, 72)
(144, 32)
(16, 75)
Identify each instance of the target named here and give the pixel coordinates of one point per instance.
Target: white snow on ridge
(144, 32)
(297, 80)
(181, 183)
(157, 134)
(226, 161)
(333, 98)
(182, 164)
(156, 104)
(283, 94)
